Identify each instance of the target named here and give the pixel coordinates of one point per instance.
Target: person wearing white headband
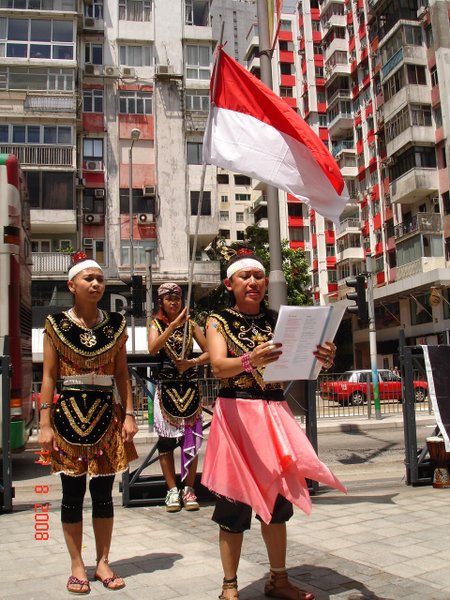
(257, 457)
(85, 431)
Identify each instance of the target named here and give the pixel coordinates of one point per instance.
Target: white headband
(244, 263)
(84, 264)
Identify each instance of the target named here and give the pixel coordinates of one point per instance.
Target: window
(197, 100)
(194, 153)
(139, 251)
(93, 101)
(331, 250)
(420, 309)
(206, 203)
(286, 92)
(223, 178)
(434, 76)
(224, 199)
(239, 217)
(242, 197)
(136, 56)
(416, 74)
(92, 204)
(285, 25)
(93, 54)
(240, 236)
(92, 148)
(135, 103)
(135, 10)
(242, 180)
(332, 276)
(198, 60)
(36, 38)
(197, 12)
(429, 37)
(94, 9)
(224, 215)
(36, 134)
(286, 68)
(296, 234)
(141, 204)
(97, 251)
(51, 190)
(41, 246)
(224, 233)
(323, 121)
(32, 79)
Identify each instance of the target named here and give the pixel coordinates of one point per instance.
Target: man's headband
(85, 264)
(244, 263)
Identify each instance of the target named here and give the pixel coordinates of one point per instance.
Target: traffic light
(135, 297)
(359, 296)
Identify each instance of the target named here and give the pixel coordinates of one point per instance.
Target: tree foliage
(294, 264)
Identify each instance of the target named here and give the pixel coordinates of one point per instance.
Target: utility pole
(135, 134)
(372, 337)
(149, 286)
(277, 281)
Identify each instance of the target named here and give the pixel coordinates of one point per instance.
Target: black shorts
(166, 444)
(235, 517)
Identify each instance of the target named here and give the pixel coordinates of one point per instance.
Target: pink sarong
(256, 450)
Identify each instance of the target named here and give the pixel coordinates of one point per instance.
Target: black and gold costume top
(81, 350)
(242, 334)
(173, 350)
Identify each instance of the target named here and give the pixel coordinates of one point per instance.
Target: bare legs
(167, 463)
(73, 534)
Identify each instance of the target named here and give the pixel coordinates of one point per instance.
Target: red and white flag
(253, 131)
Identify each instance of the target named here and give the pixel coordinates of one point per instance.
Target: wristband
(129, 413)
(44, 405)
(246, 365)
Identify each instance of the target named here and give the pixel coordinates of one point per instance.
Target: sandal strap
(75, 581)
(111, 579)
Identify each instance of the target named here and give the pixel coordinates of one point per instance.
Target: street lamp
(135, 134)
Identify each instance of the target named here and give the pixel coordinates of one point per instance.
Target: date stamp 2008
(41, 514)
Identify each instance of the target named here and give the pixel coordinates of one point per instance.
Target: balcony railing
(420, 223)
(348, 224)
(50, 263)
(343, 145)
(51, 156)
(47, 103)
(392, 62)
(64, 5)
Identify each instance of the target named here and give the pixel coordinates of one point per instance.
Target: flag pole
(277, 281)
(200, 202)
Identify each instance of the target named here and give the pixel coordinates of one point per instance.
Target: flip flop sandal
(81, 582)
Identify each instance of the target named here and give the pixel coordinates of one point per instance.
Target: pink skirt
(257, 450)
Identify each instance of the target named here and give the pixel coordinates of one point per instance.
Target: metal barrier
(341, 395)
(419, 469)
(6, 487)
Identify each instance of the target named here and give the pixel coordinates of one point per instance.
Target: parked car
(351, 387)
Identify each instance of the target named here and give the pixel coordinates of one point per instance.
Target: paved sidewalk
(384, 541)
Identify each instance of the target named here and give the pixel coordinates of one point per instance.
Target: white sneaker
(172, 501)
(189, 499)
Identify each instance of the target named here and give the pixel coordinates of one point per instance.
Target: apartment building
(371, 77)
(105, 102)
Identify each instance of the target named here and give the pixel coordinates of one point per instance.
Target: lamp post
(135, 134)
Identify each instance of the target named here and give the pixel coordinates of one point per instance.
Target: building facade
(371, 78)
(105, 102)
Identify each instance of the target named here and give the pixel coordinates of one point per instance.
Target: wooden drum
(441, 459)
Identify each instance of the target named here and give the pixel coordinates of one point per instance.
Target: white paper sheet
(301, 329)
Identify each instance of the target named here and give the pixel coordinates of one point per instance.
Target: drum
(441, 459)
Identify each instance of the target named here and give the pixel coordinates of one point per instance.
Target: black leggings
(74, 489)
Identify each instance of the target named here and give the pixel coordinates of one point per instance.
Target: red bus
(15, 295)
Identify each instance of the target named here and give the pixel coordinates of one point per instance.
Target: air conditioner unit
(88, 242)
(91, 23)
(94, 165)
(94, 70)
(94, 219)
(163, 70)
(148, 191)
(144, 218)
(110, 71)
(128, 72)
(99, 193)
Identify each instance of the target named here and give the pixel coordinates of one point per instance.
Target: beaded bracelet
(245, 360)
(44, 405)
